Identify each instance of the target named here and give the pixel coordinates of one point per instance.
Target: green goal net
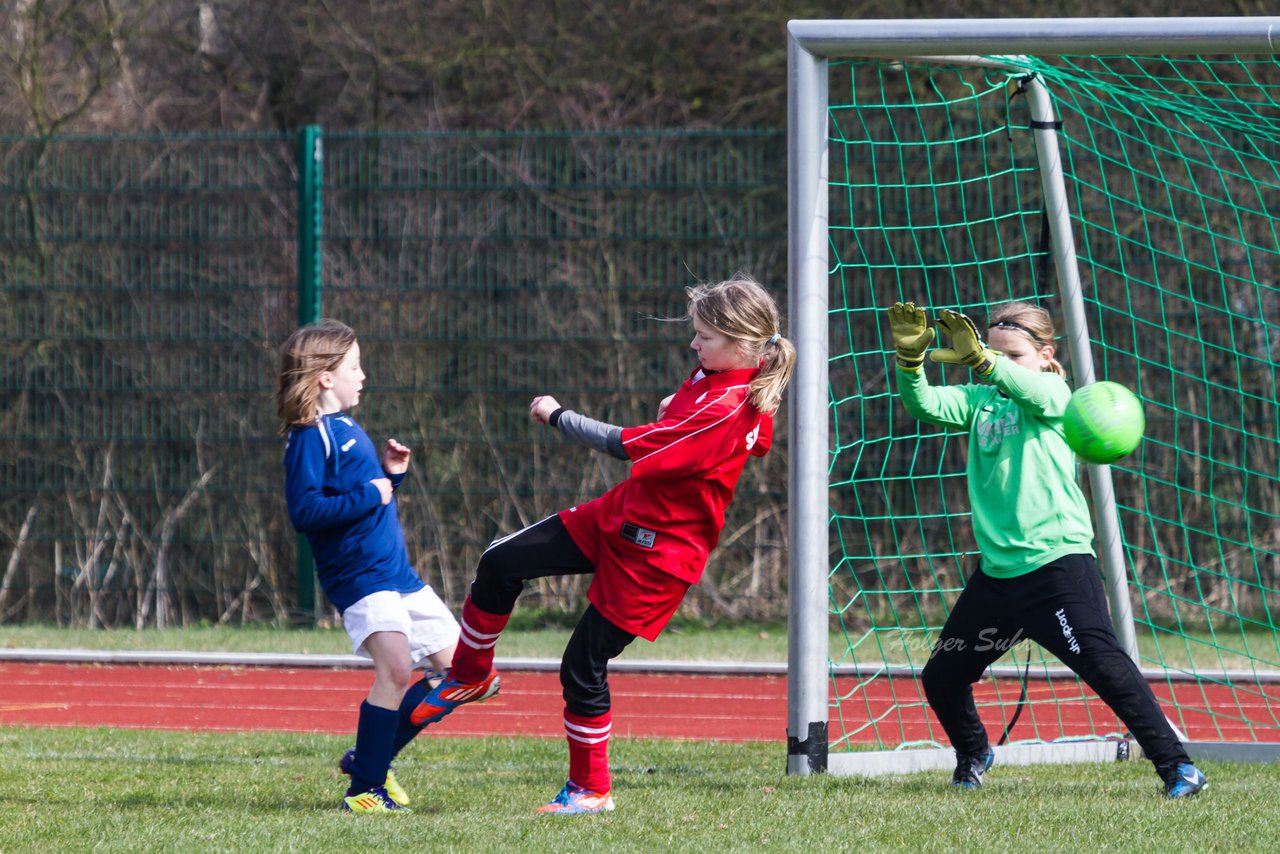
(1173, 191)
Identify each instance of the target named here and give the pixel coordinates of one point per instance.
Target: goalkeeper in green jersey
(1038, 576)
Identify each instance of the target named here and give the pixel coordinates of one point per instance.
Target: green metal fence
(145, 283)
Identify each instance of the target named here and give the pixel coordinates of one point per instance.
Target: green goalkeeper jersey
(1027, 506)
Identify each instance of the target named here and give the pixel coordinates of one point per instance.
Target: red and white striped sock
(480, 630)
(589, 750)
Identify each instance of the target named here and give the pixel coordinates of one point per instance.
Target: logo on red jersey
(753, 436)
(642, 537)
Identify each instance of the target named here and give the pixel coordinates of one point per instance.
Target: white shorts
(420, 616)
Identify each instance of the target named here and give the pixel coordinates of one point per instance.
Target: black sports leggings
(541, 550)
(1062, 607)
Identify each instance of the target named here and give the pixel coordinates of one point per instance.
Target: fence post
(310, 158)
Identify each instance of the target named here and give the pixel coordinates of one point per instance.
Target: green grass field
(127, 790)
(122, 790)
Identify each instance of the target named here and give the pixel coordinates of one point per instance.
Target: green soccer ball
(1103, 422)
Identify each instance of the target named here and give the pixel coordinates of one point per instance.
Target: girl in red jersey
(647, 539)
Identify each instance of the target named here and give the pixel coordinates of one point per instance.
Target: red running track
(645, 705)
(220, 698)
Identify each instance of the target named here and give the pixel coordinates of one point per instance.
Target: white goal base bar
(879, 763)
(1234, 751)
(884, 762)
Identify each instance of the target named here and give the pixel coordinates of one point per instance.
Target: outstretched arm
(946, 406)
(596, 435)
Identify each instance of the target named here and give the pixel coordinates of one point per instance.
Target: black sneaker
(970, 767)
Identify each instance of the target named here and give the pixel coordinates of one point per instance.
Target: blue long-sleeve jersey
(356, 540)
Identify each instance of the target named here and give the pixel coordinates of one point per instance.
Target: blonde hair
(743, 311)
(309, 352)
(1030, 320)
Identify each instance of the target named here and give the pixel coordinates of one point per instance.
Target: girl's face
(1017, 347)
(340, 388)
(716, 351)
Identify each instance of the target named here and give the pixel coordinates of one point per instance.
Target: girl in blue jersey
(341, 495)
(1038, 576)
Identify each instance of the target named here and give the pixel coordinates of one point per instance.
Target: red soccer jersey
(668, 514)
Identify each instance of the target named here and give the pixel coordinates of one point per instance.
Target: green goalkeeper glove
(911, 334)
(966, 347)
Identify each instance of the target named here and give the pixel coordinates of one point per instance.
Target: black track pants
(546, 549)
(1062, 607)
(540, 550)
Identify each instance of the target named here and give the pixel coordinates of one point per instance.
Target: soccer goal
(1123, 174)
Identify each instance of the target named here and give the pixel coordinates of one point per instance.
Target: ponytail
(778, 361)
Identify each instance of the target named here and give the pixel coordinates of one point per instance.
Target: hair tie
(774, 339)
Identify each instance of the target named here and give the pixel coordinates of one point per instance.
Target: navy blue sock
(406, 732)
(375, 734)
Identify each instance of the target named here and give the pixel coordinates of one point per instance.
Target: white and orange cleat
(575, 800)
